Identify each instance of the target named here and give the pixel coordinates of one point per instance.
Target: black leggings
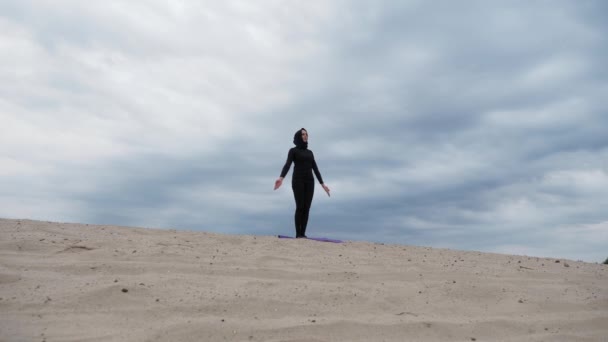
(302, 192)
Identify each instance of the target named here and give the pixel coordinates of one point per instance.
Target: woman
(302, 182)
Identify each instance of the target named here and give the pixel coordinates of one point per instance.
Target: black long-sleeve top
(304, 162)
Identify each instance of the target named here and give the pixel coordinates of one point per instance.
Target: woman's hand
(326, 188)
(278, 183)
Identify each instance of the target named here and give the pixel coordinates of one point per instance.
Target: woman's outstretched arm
(315, 168)
(279, 181)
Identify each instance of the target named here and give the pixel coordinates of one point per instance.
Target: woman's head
(300, 139)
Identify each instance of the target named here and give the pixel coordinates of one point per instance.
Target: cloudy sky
(475, 125)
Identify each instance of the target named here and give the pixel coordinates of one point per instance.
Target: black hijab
(298, 141)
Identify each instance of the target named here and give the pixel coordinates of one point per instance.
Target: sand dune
(79, 282)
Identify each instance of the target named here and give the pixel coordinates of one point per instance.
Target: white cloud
(569, 111)
(558, 244)
(585, 181)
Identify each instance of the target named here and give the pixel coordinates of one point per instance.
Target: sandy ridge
(79, 282)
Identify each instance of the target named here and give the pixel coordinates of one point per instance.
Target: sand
(80, 282)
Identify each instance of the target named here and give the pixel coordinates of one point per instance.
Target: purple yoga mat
(312, 238)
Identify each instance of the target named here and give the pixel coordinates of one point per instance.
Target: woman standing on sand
(302, 182)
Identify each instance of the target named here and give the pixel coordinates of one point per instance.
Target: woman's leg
(309, 191)
(298, 195)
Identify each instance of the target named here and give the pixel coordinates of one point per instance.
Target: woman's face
(304, 136)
